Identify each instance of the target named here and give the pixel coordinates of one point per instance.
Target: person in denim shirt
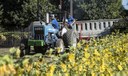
(54, 22)
(70, 21)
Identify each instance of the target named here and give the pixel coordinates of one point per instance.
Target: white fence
(94, 28)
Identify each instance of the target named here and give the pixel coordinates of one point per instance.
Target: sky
(125, 4)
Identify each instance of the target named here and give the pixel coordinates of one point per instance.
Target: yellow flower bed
(107, 56)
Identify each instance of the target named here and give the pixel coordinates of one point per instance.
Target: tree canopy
(1, 11)
(65, 4)
(17, 13)
(100, 9)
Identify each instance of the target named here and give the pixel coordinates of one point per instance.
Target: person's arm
(73, 20)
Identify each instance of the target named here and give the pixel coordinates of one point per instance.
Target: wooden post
(71, 7)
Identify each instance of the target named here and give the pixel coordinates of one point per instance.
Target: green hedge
(11, 38)
(121, 26)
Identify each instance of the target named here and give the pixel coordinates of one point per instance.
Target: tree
(65, 4)
(30, 10)
(1, 12)
(100, 9)
(20, 13)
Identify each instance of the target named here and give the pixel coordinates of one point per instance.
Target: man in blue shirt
(54, 22)
(70, 21)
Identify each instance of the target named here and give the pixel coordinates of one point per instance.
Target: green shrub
(121, 26)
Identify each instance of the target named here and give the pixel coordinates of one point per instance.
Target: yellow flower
(78, 45)
(109, 70)
(12, 69)
(18, 53)
(102, 75)
(91, 65)
(102, 68)
(66, 74)
(69, 66)
(85, 49)
(98, 58)
(58, 50)
(87, 62)
(4, 69)
(80, 67)
(71, 57)
(52, 68)
(84, 59)
(93, 74)
(96, 53)
(86, 54)
(59, 74)
(49, 74)
(25, 62)
(64, 67)
(29, 68)
(120, 67)
(38, 73)
(73, 64)
(1, 71)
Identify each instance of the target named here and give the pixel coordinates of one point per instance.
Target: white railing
(94, 28)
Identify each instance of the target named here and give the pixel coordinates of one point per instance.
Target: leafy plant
(100, 9)
(107, 56)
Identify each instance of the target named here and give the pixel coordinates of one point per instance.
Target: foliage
(31, 8)
(107, 56)
(1, 12)
(65, 4)
(19, 13)
(2, 39)
(100, 9)
(121, 25)
(13, 38)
